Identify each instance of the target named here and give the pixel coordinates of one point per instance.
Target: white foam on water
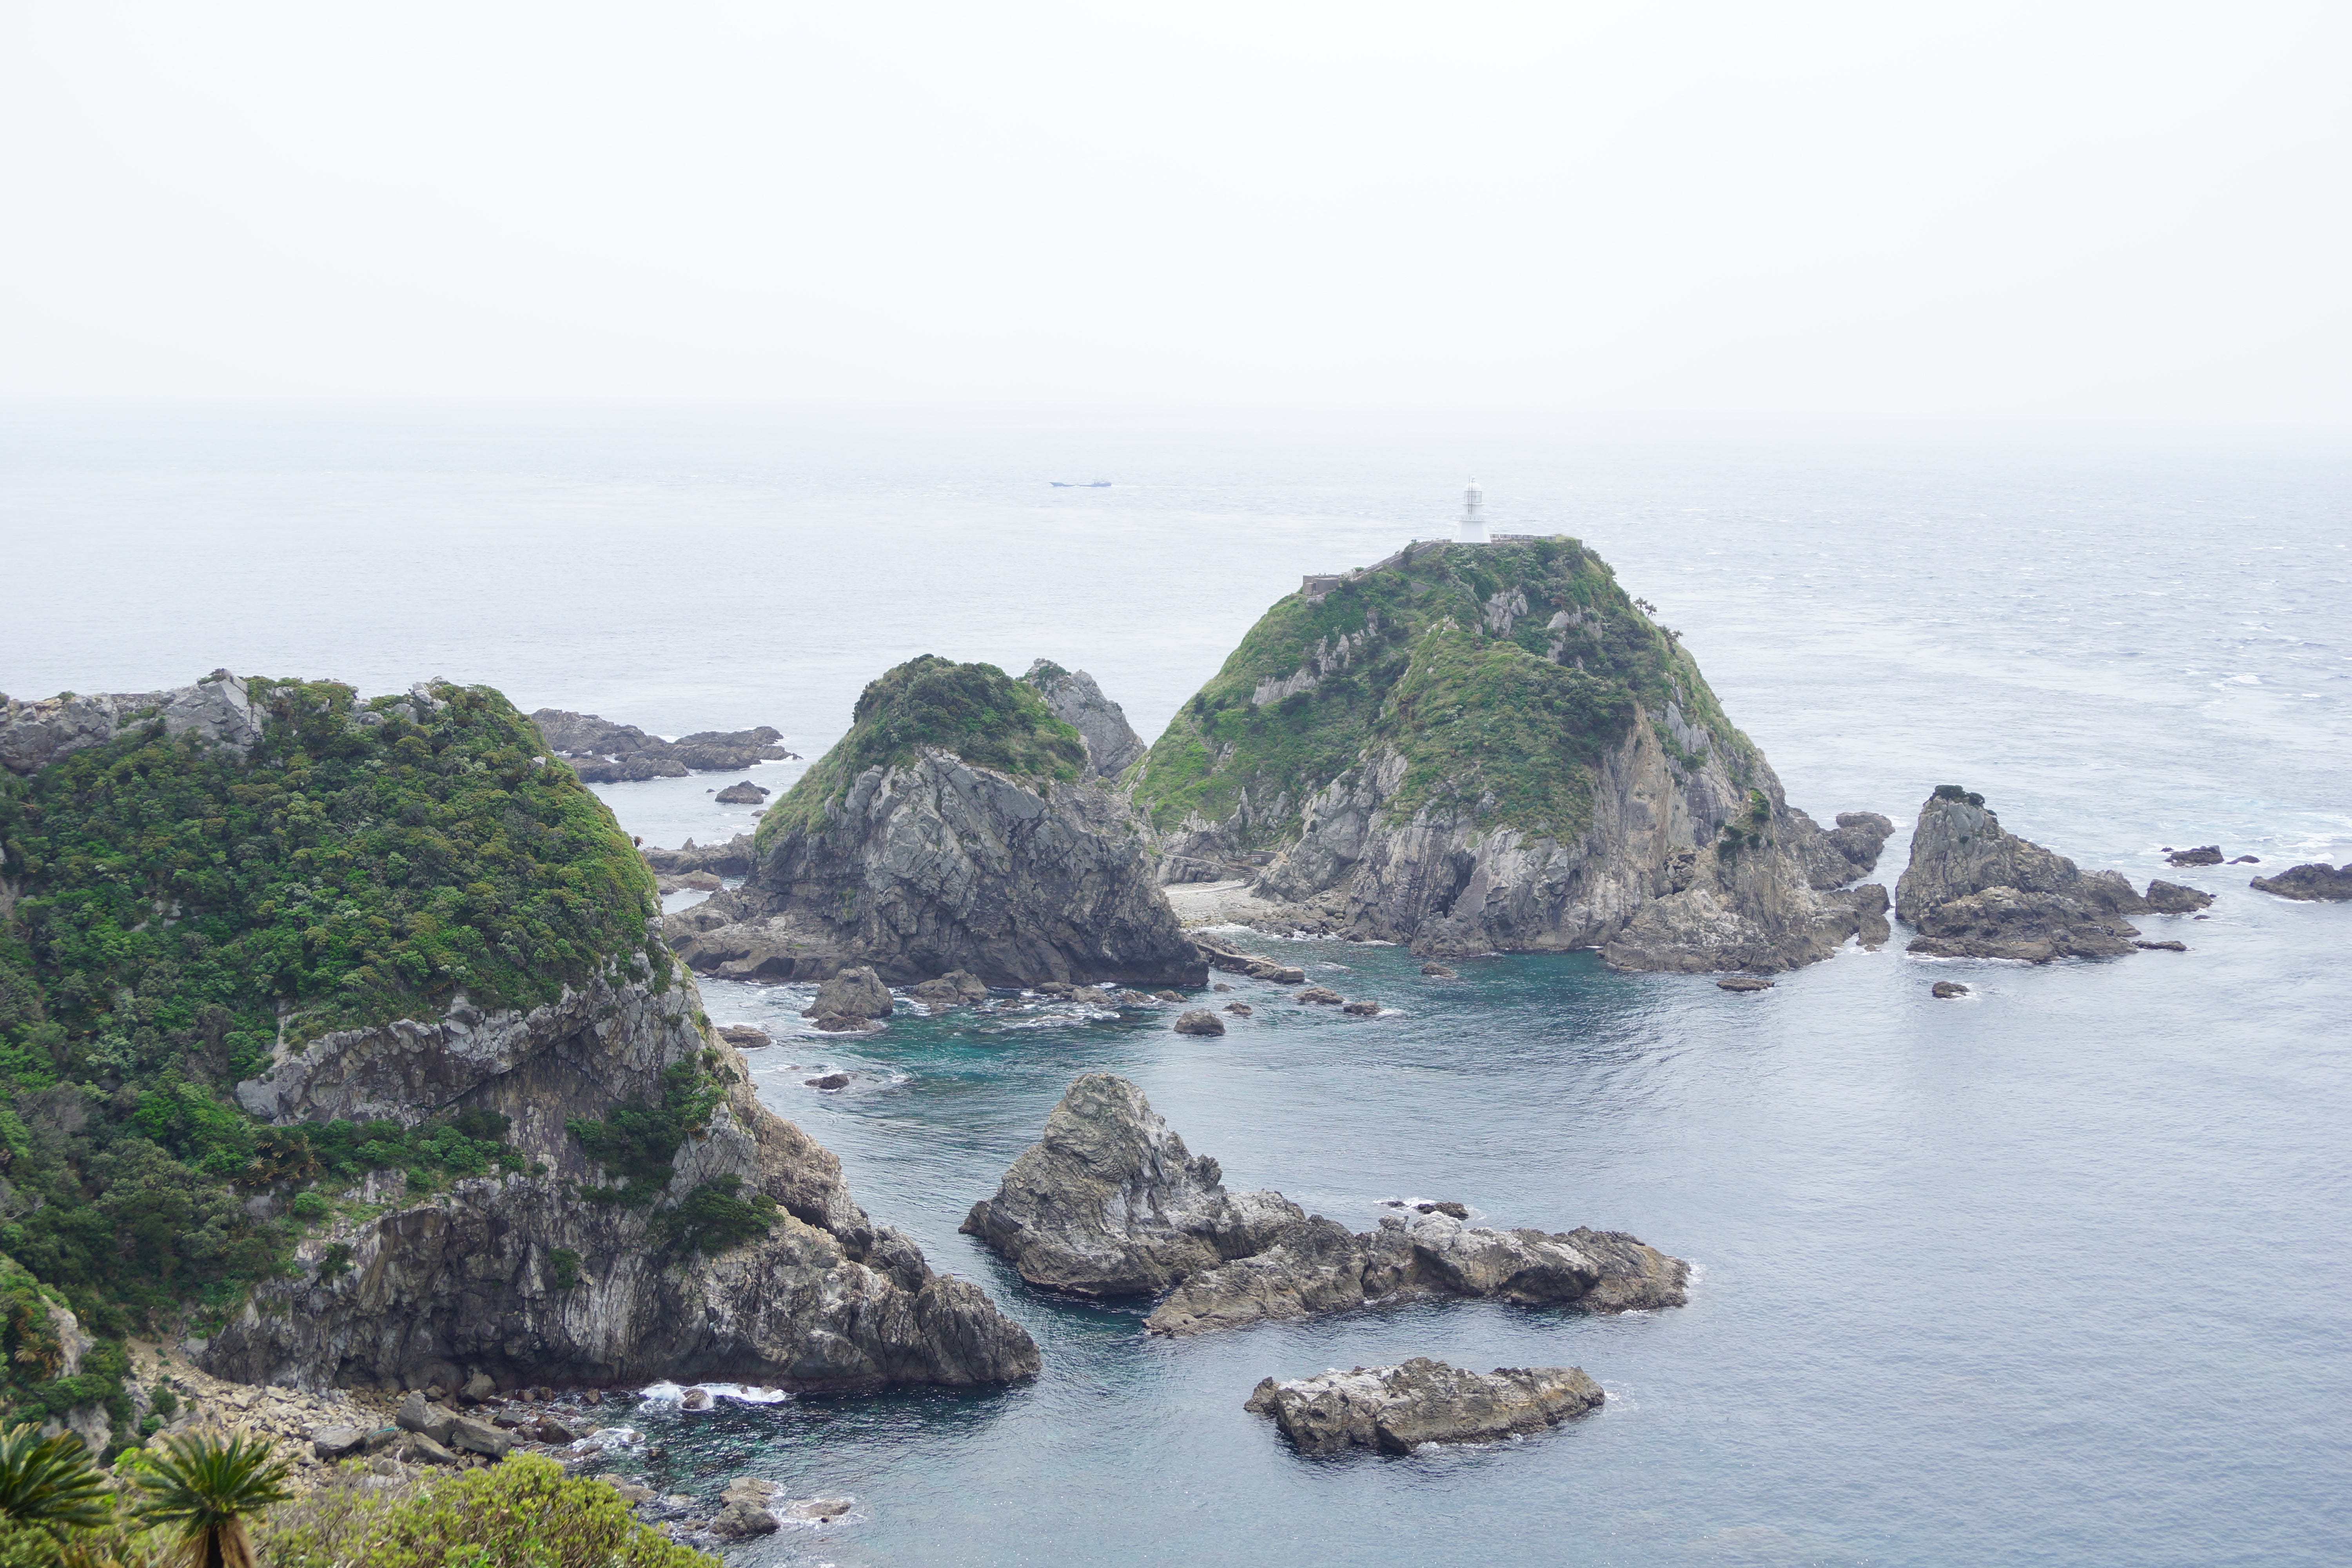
(667, 1392)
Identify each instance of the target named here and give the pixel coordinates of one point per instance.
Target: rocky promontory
(377, 1055)
(1974, 890)
(1109, 1202)
(954, 827)
(2315, 883)
(1474, 748)
(1396, 1409)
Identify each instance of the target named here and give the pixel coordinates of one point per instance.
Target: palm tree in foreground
(49, 1482)
(204, 1487)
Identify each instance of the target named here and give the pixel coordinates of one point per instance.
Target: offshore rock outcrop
(1479, 747)
(940, 834)
(1974, 890)
(1397, 1408)
(2315, 883)
(34, 735)
(1109, 1202)
(602, 752)
(1112, 744)
(522, 1278)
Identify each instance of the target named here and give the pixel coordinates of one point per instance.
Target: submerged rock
(1397, 1408)
(1744, 982)
(744, 794)
(744, 1037)
(1199, 1021)
(1109, 1203)
(1436, 971)
(2207, 855)
(1974, 890)
(2315, 882)
(1947, 989)
(2161, 946)
(1321, 997)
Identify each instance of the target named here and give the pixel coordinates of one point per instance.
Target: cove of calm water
(2057, 1274)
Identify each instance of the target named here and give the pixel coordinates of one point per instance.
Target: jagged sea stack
(1974, 890)
(954, 827)
(348, 1024)
(1476, 747)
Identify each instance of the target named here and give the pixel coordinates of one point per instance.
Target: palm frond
(49, 1480)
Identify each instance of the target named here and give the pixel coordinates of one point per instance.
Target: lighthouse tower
(1474, 516)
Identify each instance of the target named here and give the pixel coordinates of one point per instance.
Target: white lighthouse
(1474, 516)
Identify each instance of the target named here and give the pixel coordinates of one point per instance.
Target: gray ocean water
(2054, 1275)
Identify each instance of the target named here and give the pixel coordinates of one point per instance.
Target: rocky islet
(1397, 1409)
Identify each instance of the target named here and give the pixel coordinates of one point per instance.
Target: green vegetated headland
(1451, 661)
(975, 710)
(173, 910)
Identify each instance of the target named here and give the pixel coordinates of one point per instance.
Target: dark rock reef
(1109, 1203)
(1477, 748)
(2315, 883)
(1974, 890)
(953, 828)
(1396, 1409)
(602, 752)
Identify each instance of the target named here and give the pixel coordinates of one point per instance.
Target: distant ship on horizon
(1091, 484)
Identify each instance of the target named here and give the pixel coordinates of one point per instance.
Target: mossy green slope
(176, 906)
(1445, 665)
(975, 710)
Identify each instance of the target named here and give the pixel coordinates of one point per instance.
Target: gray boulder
(1109, 1202)
(1397, 1408)
(338, 1442)
(418, 1414)
(956, 986)
(851, 993)
(1320, 1267)
(2315, 883)
(2171, 898)
(1973, 889)
(1112, 744)
(1199, 1021)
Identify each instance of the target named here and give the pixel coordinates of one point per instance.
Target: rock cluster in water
(1974, 890)
(1109, 1203)
(602, 752)
(1397, 1408)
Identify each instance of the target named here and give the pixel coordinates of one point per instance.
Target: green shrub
(522, 1513)
(715, 1216)
(564, 1268)
(636, 1142)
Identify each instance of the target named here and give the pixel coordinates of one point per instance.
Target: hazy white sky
(2114, 210)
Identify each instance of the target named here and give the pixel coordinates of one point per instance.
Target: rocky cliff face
(1474, 748)
(1112, 744)
(525, 1278)
(1974, 890)
(951, 829)
(34, 735)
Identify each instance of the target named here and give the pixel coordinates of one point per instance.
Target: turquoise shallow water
(2053, 1274)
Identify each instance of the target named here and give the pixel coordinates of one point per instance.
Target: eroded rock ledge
(1109, 1202)
(1396, 1409)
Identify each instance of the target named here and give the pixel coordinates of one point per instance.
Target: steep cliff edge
(953, 827)
(1476, 747)
(339, 1035)
(1073, 697)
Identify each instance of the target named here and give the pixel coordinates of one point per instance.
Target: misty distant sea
(2058, 1274)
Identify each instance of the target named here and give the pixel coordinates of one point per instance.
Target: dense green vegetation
(637, 1145)
(975, 710)
(170, 910)
(1449, 658)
